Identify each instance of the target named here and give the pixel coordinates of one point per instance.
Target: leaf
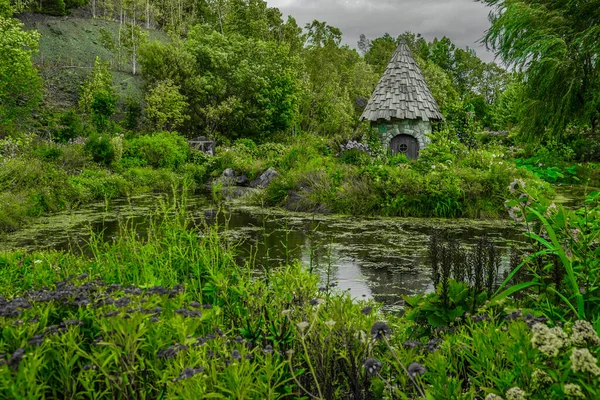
(513, 289)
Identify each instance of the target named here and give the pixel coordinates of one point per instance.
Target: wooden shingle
(402, 91)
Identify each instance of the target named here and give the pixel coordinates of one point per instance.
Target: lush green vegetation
(172, 315)
(171, 312)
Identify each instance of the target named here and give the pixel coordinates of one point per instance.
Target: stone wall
(416, 128)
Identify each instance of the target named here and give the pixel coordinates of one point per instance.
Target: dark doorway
(405, 144)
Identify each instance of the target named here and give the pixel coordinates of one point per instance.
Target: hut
(402, 108)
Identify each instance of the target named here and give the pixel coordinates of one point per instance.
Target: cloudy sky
(463, 21)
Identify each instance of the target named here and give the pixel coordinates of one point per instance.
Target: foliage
(463, 280)
(6, 10)
(20, 85)
(99, 83)
(165, 106)
(555, 46)
(161, 150)
(235, 86)
(564, 265)
(68, 127)
(552, 162)
(101, 149)
(102, 108)
(336, 78)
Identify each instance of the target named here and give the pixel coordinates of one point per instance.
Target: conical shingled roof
(402, 92)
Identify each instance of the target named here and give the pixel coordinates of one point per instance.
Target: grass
(67, 50)
(172, 315)
(448, 180)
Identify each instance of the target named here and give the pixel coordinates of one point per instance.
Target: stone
(230, 178)
(228, 173)
(265, 179)
(415, 128)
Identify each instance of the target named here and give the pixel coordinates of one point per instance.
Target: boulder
(228, 174)
(265, 179)
(229, 178)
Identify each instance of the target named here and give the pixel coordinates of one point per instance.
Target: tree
(335, 77)
(251, 85)
(165, 106)
(6, 10)
(102, 108)
(364, 44)
(20, 84)
(97, 86)
(380, 52)
(555, 44)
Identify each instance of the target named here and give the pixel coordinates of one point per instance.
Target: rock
(294, 200)
(228, 174)
(229, 178)
(241, 180)
(265, 179)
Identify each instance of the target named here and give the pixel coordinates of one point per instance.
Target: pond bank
(379, 258)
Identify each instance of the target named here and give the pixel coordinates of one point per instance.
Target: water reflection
(380, 258)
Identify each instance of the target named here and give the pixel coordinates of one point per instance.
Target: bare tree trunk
(93, 8)
(133, 44)
(179, 16)
(119, 44)
(147, 14)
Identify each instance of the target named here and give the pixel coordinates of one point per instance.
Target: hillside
(67, 50)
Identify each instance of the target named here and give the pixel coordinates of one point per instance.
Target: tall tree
(555, 44)
(20, 84)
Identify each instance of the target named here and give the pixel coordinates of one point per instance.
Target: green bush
(47, 151)
(161, 150)
(13, 211)
(100, 184)
(194, 173)
(247, 143)
(355, 157)
(101, 149)
(148, 179)
(103, 107)
(69, 127)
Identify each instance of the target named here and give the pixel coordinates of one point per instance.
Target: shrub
(148, 179)
(101, 149)
(247, 143)
(69, 127)
(161, 150)
(166, 106)
(48, 151)
(102, 108)
(100, 184)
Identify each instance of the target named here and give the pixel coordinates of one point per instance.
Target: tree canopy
(555, 45)
(20, 85)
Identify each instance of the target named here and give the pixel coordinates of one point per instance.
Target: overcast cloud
(463, 21)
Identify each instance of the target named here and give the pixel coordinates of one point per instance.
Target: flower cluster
(380, 330)
(188, 373)
(583, 334)
(355, 145)
(517, 184)
(583, 361)
(515, 393)
(372, 365)
(541, 378)
(548, 340)
(573, 391)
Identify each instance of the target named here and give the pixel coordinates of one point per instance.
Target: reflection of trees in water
(381, 260)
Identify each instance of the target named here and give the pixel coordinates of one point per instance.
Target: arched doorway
(405, 144)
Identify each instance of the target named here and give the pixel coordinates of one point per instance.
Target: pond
(379, 258)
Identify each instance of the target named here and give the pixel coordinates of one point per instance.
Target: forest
(300, 256)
